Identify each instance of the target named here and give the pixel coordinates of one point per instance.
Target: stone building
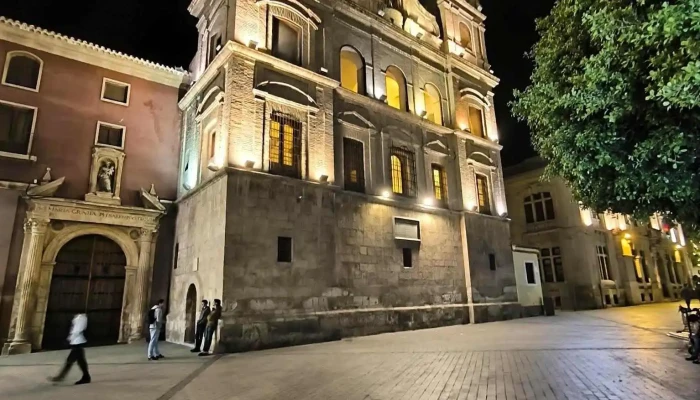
(87, 136)
(340, 172)
(588, 259)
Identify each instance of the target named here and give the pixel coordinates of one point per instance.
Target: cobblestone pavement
(606, 354)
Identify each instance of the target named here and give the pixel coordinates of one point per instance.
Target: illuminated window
(638, 272)
(552, 267)
(603, 262)
(22, 70)
(353, 157)
(482, 194)
(643, 261)
(396, 89)
(677, 256)
(476, 121)
(626, 247)
(539, 207)
(439, 183)
(16, 128)
(465, 36)
(352, 67)
(403, 172)
(286, 41)
(433, 106)
(285, 146)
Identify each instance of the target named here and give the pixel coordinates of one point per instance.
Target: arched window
(476, 121)
(626, 247)
(465, 36)
(433, 106)
(352, 70)
(22, 70)
(396, 175)
(396, 89)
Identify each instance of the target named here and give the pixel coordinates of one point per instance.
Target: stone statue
(105, 177)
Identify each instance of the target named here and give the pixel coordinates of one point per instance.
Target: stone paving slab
(605, 354)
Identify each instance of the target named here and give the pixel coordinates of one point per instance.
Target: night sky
(163, 31)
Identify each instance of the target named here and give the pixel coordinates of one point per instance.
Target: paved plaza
(620, 353)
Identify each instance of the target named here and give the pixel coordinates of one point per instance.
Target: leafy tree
(614, 104)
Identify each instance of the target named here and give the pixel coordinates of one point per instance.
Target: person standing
(76, 339)
(201, 326)
(212, 324)
(155, 320)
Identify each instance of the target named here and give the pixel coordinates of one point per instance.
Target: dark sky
(163, 31)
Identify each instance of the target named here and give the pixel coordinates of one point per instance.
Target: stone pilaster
(27, 286)
(143, 274)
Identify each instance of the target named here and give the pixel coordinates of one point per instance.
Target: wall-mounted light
(428, 201)
(324, 70)
(324, 178)
(386, 194)
(253, 44)
(218, 47)
(381, 13)
(419, 36)
(249, 164)
(628, 236)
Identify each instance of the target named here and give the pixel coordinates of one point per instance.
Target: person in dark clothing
(201, 326)
(77, 341)
(212, 324)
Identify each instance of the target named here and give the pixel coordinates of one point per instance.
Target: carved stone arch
(475, 96)
(117, 235)
(292, 12)
(439, 144)
(355, 115)
(214, 94)
(278, 89)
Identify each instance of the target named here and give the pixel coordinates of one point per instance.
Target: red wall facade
(69, 108)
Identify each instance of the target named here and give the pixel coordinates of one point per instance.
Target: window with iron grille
(403, 172)
(552, 267)
(603, 262)
(285, 146)
(439, 183)
(353, 157)
(482, 194)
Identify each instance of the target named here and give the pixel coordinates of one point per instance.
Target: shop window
(286, 40)
(396, 89)
(23, 70)
(352, 70)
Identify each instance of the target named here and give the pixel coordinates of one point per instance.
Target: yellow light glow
(433, 107)
(678, 246)
(428, 201)
(628, 236)
(386, 194)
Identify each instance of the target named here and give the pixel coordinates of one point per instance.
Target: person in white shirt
(156, 321)
(77, 341)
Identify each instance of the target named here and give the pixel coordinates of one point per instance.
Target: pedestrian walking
(201, 326)
(155, 320)
(76, 339)
(212, 323)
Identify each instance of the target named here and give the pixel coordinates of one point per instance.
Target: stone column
(30, 264)
(140, 292)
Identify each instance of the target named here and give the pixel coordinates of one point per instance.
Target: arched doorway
(190, 314)
(88, 277)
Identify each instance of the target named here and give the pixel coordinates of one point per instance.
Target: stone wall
(346, 276)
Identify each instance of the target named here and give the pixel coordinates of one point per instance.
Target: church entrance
(190, 314)
(88, 277)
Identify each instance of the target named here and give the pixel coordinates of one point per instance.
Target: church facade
(340, 173)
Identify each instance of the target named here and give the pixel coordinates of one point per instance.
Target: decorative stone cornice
(89, 53)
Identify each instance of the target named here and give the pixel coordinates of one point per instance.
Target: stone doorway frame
(51, 223)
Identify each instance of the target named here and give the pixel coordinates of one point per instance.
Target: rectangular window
(492, 262)
(643, 297)
(214, 46)
(476, 121)
(539, 207)
(638, 273)
(557, 301)
(354, 168)
(603, 262)
(212, 145)
(645, 269)
(285, 146)
(439, 183)
(407, 258)
(115, 92)
(530, 273)
(616, 300)
(285, 41)
(482, 194)
(110, 135)
(552, 266)
(284, 249)
(607, 299)
(403, 172)
(16, 128)
(176, 254)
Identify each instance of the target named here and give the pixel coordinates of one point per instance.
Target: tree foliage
(614, 104)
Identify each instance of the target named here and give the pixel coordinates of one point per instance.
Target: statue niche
(105, 175)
